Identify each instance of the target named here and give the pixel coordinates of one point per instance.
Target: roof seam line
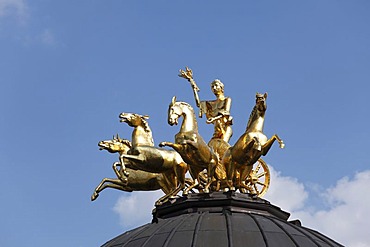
(320, 237)
(196, 230)
(159, 228)
(134, 235)
(286, 232)
(260, 228)
(173, 232)
(308, 236)
(229, 228)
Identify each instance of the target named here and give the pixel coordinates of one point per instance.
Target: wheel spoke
(256, 189)
(258, 167)
(258, 182)
(261, 174)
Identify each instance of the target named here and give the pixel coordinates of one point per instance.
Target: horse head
(133, 119)
(142, 134)
(174, 112)
(116, 144)
(261, 102)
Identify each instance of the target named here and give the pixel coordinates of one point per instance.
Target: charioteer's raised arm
(188, 74)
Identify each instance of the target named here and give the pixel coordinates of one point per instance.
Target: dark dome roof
(220, 219)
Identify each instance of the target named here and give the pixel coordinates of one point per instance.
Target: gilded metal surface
(214, 166)
(258, 180)
(250, 146)
(217, 111)
(190, 145)
(143, 155)
(129, 179)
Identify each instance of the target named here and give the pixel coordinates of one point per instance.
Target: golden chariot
(212, 166)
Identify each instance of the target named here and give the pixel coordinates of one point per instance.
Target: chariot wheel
(258, 180)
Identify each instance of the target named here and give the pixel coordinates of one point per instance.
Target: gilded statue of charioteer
(213, 166)
(217, 111)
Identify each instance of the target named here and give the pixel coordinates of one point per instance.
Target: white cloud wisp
(135, 209)
(17, 8)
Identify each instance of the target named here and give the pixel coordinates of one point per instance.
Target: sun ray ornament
(213, 166)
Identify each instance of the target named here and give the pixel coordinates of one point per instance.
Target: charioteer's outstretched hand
(188, 75)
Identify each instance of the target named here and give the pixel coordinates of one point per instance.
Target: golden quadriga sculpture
(213, 166)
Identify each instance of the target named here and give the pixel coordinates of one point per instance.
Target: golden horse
(143, 155)
(249, 147)
(137, 180)
(190, 145)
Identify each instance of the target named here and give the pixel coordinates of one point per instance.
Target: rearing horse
(144, 156)
(137, 180)
(250, 146)
(190, 145)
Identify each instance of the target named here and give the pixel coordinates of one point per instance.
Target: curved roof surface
(221, 219)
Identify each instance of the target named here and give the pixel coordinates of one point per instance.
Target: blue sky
(68, 68)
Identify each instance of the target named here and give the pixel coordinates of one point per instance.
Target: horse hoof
(206, 191)
(162, 144)
(158, 203)
(94, 196)
(243, 190)
(282, 145)
(254, 196)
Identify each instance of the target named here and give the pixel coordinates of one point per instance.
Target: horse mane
(145, 124)
(186, 104)
(126, 142)
(147, 129)
(190, 108)
(182, 103)
(253, 113)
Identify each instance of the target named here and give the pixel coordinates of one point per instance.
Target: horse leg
(281, 143)
(125, 172)
(177, 180)
(162, 200)
(211, 173)
(97, 190)
(117, 187)
(195, 175)
(192, 186)
(269, 143)
(230, 166)
(165, 198)
(257, 144)
(180, 171)
(118, 172)
(169, 144)
(176, 147)
(164, 184)
(173, 193)
(103, 185)
(189, 182)
(170, 179)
